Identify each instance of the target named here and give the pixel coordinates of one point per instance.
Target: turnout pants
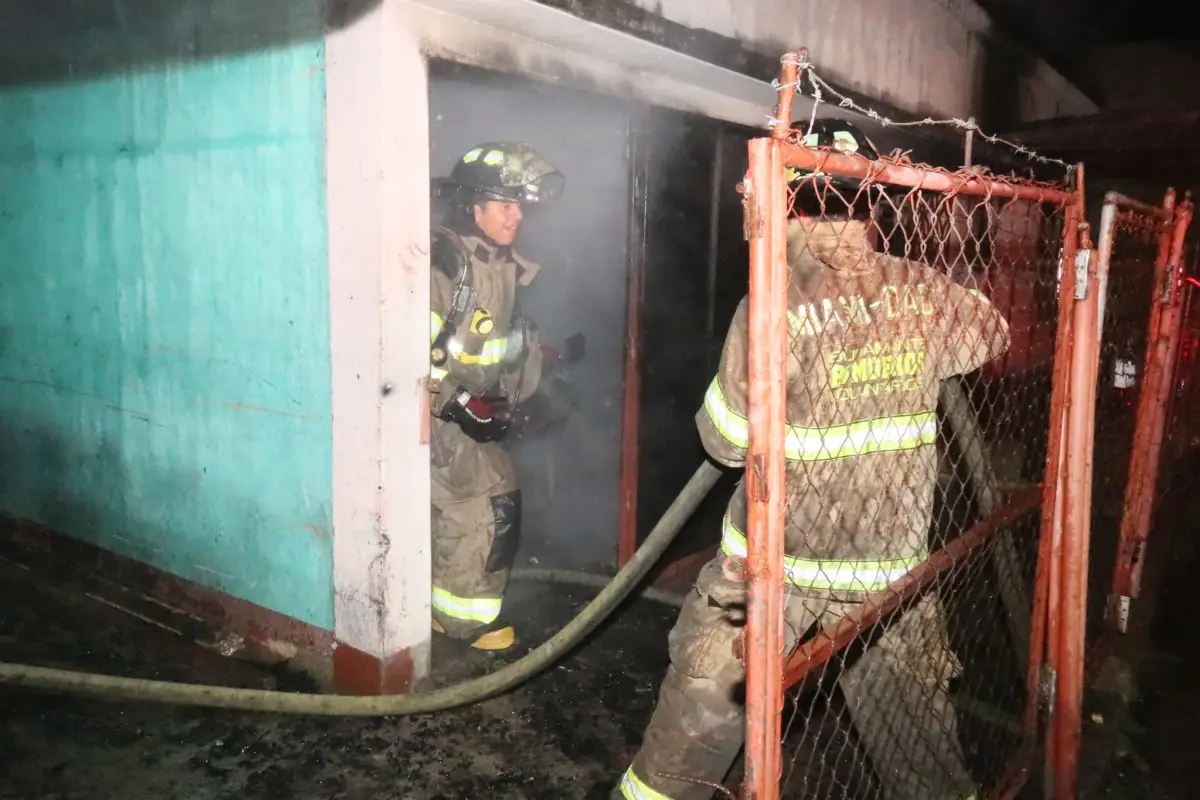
(476, 527)
(896, 694)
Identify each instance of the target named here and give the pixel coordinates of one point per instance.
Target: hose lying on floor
(466, 693)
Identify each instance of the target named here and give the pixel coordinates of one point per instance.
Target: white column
(377, 192)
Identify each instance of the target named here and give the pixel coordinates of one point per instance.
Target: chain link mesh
(1126, 306)
(1123, 338)
(922, 328)
(1142, 338)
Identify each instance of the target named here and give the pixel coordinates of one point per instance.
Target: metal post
(632, 404)
(1044, 633)
(765, 197)
(765, 194)
(1075, 537)
(969, 144)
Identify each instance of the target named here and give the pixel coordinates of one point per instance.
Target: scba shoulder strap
(448, 254)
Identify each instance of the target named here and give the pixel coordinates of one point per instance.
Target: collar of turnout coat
(841, 245)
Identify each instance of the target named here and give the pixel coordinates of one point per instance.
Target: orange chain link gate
(1144, 244)
(908, 607)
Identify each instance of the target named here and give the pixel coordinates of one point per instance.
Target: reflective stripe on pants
(469, 609)
(633, 788)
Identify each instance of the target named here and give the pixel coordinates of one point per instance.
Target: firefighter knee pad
(506, 515)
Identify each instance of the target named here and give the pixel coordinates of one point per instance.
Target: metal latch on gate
(1123, 613)
(1083, 258)
(1048, 686)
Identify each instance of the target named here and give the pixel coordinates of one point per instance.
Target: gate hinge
(1123, 603)
(1083, 259)
(1048, 687)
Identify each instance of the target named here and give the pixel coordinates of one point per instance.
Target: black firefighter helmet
(818, 194)
(506, 171)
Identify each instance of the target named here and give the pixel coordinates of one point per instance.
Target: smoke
(569, 481)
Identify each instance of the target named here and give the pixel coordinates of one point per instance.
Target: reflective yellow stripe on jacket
(471, 609)
(633, 788)
(857, 576)
(883, 434)
(492, 352)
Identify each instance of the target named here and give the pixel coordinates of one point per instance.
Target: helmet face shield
(505, 171)
(539, 190)
(545, 187)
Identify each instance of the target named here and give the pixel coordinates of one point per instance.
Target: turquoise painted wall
(164, 326)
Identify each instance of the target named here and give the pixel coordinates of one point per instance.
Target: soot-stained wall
(696, 266)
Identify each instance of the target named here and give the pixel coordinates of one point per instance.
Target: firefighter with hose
(872, 337)
(486, 361)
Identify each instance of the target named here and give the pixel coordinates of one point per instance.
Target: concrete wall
(213, 320)
(1045, 94)
(377, 169)
(164, 334)
(922, 56)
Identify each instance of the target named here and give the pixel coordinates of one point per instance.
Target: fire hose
(112, 687)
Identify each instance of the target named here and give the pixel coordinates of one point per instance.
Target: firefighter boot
(498, 636)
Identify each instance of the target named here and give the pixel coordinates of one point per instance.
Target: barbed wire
(821, 86)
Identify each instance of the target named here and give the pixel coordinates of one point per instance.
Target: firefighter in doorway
(872, 337)
(485, 357)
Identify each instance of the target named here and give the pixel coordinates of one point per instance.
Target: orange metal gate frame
(1158, 380)
(1068, 520)
(1059, 609)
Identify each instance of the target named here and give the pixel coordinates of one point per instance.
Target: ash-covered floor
(1153, 752)
(567, 734)
(1140, 718)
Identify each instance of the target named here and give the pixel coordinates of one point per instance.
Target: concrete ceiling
(48, 41)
